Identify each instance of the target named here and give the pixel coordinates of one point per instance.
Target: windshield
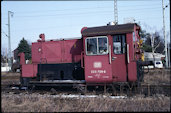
(97, 45)
(158, 63)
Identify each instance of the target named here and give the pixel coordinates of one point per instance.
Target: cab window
(119, 44)
(96, 45)
(91, 46)
(102, 42)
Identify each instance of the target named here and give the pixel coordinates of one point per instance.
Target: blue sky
(64, 19)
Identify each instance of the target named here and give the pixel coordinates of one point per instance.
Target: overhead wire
(81, 8)
(138, 19)
(69, 26)
(86, 13)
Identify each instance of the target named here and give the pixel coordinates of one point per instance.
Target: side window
(97, 45)
(133, 36)
(92, 46)
(119, 44)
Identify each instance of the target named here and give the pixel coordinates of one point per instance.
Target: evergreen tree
(24, 47)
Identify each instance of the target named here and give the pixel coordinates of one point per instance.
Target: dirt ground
(34, 102)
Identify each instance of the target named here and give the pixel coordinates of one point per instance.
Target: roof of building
(150, 55)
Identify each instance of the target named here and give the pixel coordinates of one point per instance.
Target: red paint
(36, 54)
(97, 75)
(63, 51)
(132, 68)
(29, 70)
(132, 71)
(119, 68)
(34, 70)
(22, 58)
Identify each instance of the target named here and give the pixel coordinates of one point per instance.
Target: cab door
(119, 66)
(96, 60)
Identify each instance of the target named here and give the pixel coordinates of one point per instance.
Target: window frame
(97, 45)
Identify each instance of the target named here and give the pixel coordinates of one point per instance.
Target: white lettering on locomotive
(98, 71)
(105, 76)
(90, 76)
(97, 65)
(97, 75)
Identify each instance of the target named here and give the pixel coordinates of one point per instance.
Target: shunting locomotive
(103, 55)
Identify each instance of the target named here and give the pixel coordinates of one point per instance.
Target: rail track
(144, 89)
(10, 84)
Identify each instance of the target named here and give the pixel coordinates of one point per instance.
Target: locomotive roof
(109, 30)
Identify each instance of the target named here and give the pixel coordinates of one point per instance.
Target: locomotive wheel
(137, 87)
(131, 88)
(21, 81)
(113, 90)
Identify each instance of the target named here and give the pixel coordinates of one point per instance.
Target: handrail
(110, 54)
(82, 56)
(128, 53)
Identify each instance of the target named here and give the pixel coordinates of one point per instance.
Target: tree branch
(157, 46)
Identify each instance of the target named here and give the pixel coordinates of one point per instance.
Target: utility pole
(169, 44)
(169, 55)
(115, 12)
(6, 55)
(164, 34)
(9, 41)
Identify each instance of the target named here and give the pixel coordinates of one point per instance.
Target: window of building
(119, 44)
(97, 45)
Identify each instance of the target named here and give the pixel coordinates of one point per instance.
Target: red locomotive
(103, 55)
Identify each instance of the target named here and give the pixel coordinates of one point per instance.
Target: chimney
(42, 36)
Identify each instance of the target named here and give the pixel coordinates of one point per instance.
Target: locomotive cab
(111, 53)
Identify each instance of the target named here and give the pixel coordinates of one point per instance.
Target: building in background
(156, 58)
(148, 56)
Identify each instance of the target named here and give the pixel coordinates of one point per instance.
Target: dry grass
(9, 78)
(157, 76)
(50, 103)
(9, 74)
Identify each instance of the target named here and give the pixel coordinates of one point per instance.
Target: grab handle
(110, 54)
(82, 56)
(128, 53)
